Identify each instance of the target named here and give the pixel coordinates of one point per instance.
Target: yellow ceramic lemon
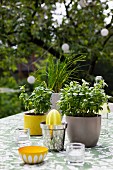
(53, 118)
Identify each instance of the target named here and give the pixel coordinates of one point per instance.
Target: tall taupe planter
(84, 129)
(54, 98)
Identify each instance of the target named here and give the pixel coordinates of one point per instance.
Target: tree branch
(94, 58)
(51, 50)
(67, 13)
(36, 5)
(1, 1)
(105, 42)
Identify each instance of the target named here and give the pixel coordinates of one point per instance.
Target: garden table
(99, 157)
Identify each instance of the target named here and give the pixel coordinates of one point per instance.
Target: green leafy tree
(28, 27)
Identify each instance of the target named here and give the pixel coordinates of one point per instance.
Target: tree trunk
(92, 64)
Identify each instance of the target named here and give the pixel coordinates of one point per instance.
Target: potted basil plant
(81, 104)
(39, 102)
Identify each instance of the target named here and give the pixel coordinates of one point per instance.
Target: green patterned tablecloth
(97, 158)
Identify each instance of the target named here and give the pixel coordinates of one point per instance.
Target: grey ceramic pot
(85, 130)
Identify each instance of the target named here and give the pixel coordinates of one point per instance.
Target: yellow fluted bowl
(33, 154)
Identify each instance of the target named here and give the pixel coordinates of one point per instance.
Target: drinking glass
(22, 136)
(75, 153)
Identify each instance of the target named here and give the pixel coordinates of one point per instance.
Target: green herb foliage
(82, 100)
(56, 72)
(39, 99)
(59, 72)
